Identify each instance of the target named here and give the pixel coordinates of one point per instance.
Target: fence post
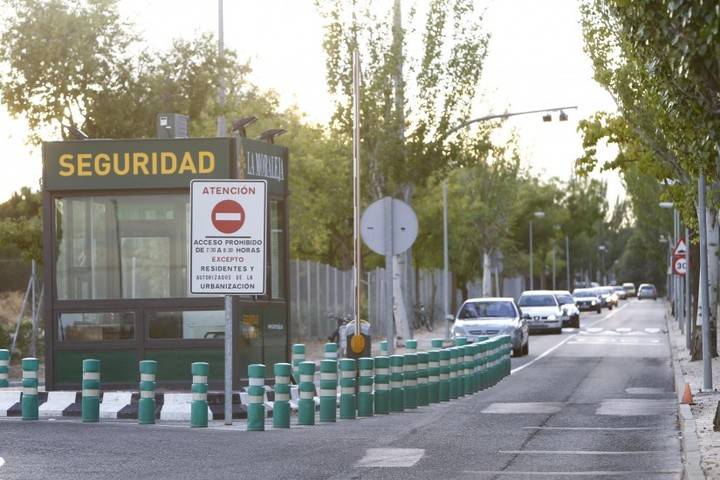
(396, 383)
(306, 404)
(4, 367)
(410, 346)
(281, 406)
(331, 351)
(328, 390)
(30, 389)
(256, 398)
(422, 379)
(410, 381)
(90, 390)
(433, 376)
(199, 405)
(382, 385)
(365, 387)
(298, 356)
(347, 388)
(146, 404)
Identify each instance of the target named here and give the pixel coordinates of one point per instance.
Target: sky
(535, 61)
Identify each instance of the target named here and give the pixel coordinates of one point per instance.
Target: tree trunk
(713, 274)
(487, 275)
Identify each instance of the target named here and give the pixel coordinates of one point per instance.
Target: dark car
(647, 290)
(587, 299)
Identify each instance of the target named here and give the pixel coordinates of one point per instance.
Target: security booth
(116, 219)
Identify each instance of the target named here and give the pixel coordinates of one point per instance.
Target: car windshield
(487, 309)
(584, 293)
(619, 289)
(564, 299)
(647, 287)
(537, 301)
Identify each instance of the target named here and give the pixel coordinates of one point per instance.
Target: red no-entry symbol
(228, 216)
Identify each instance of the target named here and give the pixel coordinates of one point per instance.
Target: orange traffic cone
(687, 397)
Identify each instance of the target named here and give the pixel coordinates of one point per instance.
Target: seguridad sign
(227, 237)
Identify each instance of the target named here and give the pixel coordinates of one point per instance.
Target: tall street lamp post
(602, 249)
(536, 215)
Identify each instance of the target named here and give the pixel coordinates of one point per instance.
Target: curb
(689, 441)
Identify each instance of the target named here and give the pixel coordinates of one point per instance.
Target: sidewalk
(703, 411)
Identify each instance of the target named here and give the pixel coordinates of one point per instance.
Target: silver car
(480, 317)
(542, 311)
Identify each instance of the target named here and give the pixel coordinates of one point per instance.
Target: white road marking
(619, 429)
(511, 408)
(594, 473)
(552, 349)
(580, 452)
(594, 330)
(2, 461)
(624, 329)
(391, 457)
(630, 407)
(652, 330)
(646, 391)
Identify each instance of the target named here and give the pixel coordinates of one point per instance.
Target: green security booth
(116, 216)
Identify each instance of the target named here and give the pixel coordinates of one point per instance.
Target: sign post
(228, 224)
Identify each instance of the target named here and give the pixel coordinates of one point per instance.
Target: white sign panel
(227, 237)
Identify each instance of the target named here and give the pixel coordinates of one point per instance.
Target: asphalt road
(593, 403)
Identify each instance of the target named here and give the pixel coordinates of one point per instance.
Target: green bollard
(444, 383)
(460, 369)
(483, 364)
(281, 405)
(384, 348)
(411, 346)
(460, 341)
(476, 367)
(436, 343)
(199, 405)
(297, 356)
(422, 379)
(306, 404)
(433, 376)
(469, 368)
(410, 381)
(146, 404)
(347, 388)
(4, 367)
(90, 390)
(508, 353)
(256, 398)
(328, 390)
(365, 387)
(331, 351)
(382, 385)
(396, 383)
(30, 389)
(453, 373)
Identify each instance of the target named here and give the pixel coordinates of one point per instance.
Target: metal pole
(228, 358)
(389, 298)
(356, 186)
(33, 338)
(446, 307)
(688, 298)
(221, 90)
(531, 258)
(554, 266)
(567, 261)
(228, 298)
(704, 290)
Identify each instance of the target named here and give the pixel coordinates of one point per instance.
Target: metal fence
(319, 291)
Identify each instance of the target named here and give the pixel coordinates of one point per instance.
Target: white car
(570, 311)
(542, 311)
(480, 317)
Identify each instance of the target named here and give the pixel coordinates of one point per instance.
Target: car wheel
(599, 310)
(517, 352)
(576, 323)
(526, 348)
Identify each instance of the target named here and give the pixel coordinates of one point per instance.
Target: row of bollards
(366, 386)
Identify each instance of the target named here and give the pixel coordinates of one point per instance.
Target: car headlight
(552, 317)
(458, 330)
(593, 302)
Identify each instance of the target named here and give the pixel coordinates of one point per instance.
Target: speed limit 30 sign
(679, 264)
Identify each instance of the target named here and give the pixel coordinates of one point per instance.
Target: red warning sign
(228, 216)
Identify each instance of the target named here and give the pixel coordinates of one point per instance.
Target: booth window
(190, 324)
(130, 246)
(96, 327)
(277, 244)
